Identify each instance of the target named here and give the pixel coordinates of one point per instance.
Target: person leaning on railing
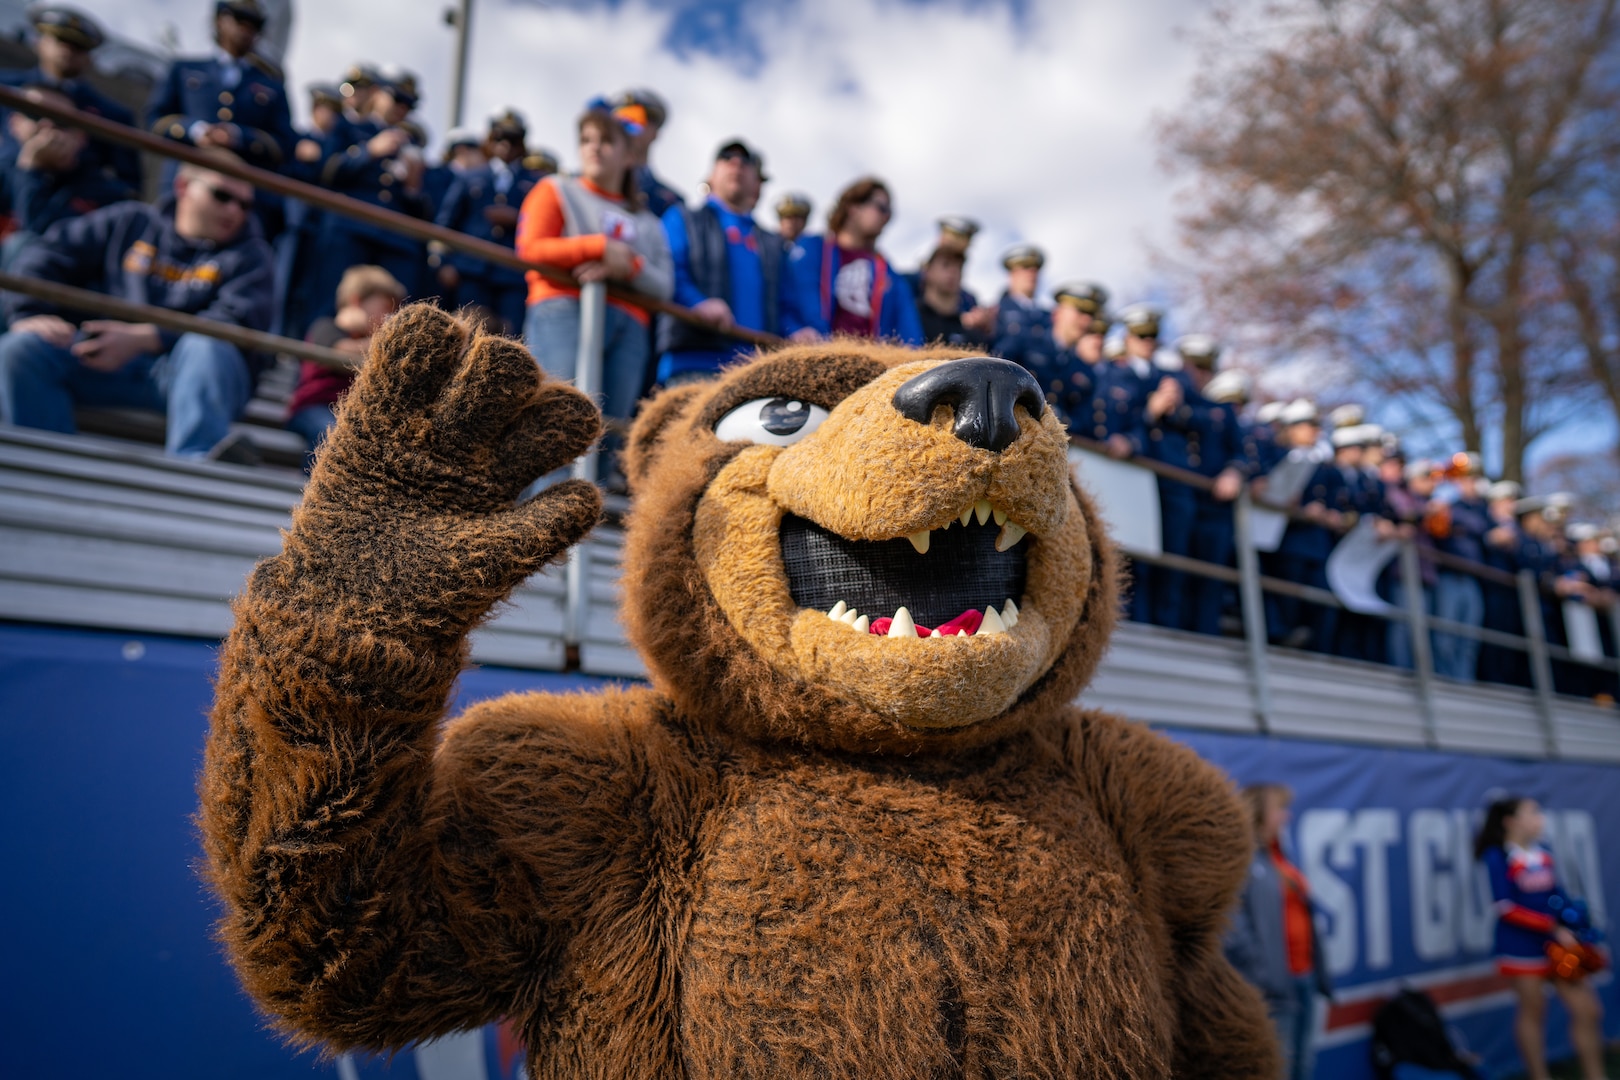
(197, 251)
(596, 226)
(1459, 525)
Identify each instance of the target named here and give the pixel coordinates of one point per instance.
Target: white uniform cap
(1347, 416)
(1231, 385)
(1504, 489)
(1270, 411)
(1299, 411)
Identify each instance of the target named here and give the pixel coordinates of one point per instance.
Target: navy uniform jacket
(1302, 539)
(436, 184)
(1119, 406)
(131, 250)
(1261, 450)
(1024, 334)
(1177, 437)
(124, 161)
(1216, 440)
(1070, 386)
(202, 90)
(40, 198)
(463, 210)
(349, 169)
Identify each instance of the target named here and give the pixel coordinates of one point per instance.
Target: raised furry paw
(409, 521)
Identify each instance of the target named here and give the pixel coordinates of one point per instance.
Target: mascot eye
(777, 421)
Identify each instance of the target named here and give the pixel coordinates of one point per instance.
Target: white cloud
(1042, 131)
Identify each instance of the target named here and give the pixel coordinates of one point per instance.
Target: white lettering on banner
(1451, 906)
(1476, 910)
(1331, 838)
(1434, 886)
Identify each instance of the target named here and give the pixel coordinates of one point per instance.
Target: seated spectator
(66, 40)
(942, 303)
(57, 174)
(727, 270)
(597, 226)
(198, 251)
(483, 203)
(365, 297)
(792, 215)
(844, 285)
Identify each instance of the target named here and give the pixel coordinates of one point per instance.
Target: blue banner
(112, 963)
(1386, 839)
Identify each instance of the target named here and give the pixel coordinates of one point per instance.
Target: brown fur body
(747, 870)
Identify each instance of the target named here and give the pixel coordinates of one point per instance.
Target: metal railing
(1252, 585)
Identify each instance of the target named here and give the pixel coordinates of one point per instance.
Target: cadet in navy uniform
(1172, 422)
(1302, 555)
(372, 158)
(1215, 450)
(66, 39)
(234, 99)
(1070, 382)
(1359, 636)
(792, 216)
(463, 153)
(484, 203)
(1023, 328)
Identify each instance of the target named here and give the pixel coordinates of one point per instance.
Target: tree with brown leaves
(1387, 187)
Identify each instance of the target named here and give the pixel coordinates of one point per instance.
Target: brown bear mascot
(821, 843)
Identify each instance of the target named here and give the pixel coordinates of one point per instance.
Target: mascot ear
(647, 430)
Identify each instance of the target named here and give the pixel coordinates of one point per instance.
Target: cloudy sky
(1033, 116)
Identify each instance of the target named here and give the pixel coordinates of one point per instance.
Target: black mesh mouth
(962, 571)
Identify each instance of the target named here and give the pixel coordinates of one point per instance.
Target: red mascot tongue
(965, 623)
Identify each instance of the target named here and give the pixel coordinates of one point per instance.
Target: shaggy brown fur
(764, 865)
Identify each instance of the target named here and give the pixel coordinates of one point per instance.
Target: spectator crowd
(211, 245)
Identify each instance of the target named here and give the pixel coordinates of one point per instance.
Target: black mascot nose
(981, 392)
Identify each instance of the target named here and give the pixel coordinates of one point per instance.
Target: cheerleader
(1527, 900)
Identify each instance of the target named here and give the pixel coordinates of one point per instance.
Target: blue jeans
(201, 384)
(1457, 597)
(312, 422)
(551, 331)
(1295, 1021)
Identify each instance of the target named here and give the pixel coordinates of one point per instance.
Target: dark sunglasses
(880, 205)
(225, 198)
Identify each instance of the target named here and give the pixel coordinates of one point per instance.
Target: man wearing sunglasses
(198, 251)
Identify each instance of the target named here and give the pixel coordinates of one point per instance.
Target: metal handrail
(404, 224)
(87, 302)
(1252, 584)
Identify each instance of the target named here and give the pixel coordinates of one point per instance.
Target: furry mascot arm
(369, 896)
(1189, 842)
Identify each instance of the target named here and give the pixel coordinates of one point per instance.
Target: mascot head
(863, 548)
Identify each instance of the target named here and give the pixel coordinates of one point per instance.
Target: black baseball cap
(736, 148)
